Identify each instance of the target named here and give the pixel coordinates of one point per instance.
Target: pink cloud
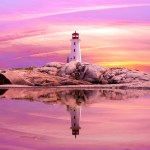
(26, 16)
(114, 31)
(21, 35)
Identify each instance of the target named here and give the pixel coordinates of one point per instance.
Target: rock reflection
(73, 99)
(69, 97)
(2, 91)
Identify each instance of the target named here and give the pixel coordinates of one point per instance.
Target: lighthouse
(75, 53)
(75, 113)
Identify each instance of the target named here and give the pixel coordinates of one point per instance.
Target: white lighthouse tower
(75, 113)
(75, 54)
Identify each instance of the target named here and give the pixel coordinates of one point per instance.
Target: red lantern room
(75, 35)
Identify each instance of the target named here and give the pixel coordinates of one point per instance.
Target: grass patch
(28, 68)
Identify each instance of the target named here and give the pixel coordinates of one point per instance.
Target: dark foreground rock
(73, 73)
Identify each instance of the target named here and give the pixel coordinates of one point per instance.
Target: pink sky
(113, 33)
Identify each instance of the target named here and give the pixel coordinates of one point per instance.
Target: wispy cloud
(49, 53)
(27, 16)
(118, 36)
(11, 37)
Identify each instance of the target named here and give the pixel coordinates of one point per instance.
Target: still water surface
(50, 119)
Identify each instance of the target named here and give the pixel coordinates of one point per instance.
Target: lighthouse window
(74, 50)
(74, 43)
(74, 57)
(74, 124)
(74, 117)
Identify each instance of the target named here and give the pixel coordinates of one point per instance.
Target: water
(53, 119)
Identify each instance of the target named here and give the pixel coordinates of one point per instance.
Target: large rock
(92, 73)
(68, 69)
(48, 70)
(138, 75)
(72, 73)
(123, 75)
(114, 75)
(54, 64)
(82, 71)
(33, 78)
(17, 77)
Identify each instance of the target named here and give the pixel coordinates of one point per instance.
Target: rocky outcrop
(81, 71)
(57, 65)
(123, 75)
(94, 74)
(48, 70)
(51, 68)
(35, 78)
(73, 73)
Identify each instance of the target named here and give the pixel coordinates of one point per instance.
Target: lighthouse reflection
(73, 99)
(75, 113)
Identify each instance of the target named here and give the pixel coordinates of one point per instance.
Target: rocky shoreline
(72, 74)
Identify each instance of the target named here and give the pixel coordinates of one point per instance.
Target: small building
(75, 53)
(75, 113)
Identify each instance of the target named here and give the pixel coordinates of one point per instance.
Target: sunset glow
(112, 33)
